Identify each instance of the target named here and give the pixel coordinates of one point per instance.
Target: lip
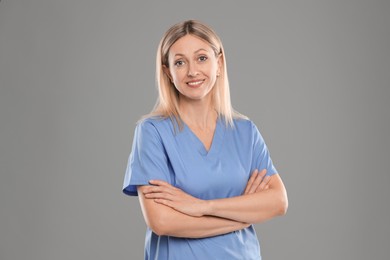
(195, 83)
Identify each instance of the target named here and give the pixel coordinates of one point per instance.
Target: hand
(168, 195)
(257, 182)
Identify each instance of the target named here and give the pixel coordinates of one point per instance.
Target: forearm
(248, 208)
(164, 220)
(180, 225)
(252, 208)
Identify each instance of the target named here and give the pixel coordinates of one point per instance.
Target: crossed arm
(170, 211)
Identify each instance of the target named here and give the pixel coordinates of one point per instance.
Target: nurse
(201, 170)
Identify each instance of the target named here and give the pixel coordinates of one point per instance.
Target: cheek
(176, 76)
(213, 73)
(176, 81)
(213, 69)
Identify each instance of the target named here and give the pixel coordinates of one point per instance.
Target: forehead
(188, 45)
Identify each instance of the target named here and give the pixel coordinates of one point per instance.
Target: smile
(195, 83)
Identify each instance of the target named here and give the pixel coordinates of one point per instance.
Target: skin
(192, 60)
(164, 220)
(194, 68)
(164, 193)
(248, 208)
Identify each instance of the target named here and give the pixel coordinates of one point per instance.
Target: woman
(202, 171)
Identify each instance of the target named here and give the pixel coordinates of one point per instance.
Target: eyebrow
(201, 49)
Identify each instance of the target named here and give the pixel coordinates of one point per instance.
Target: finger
(263, 172)
(158, 189)
(164, 202)
(165, 196)
(251, 180)
(160, 183)
(264, 183)
(256, 182)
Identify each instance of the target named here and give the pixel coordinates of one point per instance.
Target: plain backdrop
(76, 75)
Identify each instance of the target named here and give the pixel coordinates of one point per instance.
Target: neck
(199, 114)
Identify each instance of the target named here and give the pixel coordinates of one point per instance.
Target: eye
(179, 63)
(202, 58)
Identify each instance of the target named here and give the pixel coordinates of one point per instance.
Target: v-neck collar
(216, 143)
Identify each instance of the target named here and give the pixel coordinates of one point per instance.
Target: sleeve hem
(131, 189)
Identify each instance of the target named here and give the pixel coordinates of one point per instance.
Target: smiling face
(193, 68)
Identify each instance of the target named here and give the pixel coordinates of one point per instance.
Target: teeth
(195, 83)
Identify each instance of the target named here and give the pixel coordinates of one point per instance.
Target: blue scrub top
(162, 152)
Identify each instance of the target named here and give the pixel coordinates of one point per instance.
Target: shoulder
(152, 122)
(243, 124)
(157, 126)
(246, 128)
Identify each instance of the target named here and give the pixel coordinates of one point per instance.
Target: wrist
(208, 207)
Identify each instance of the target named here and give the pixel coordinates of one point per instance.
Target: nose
(192, 70)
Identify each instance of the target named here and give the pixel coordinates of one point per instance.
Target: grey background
(75, 76)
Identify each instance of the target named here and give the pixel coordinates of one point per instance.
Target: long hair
(167, 104)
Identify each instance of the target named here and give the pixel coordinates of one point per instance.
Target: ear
(166, 71)
(220, 63)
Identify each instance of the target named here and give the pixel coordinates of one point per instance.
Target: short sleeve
(261, 156)
(148, 159)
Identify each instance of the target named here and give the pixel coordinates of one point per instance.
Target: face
(193, 68)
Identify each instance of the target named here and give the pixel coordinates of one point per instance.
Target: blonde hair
(167, 104)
